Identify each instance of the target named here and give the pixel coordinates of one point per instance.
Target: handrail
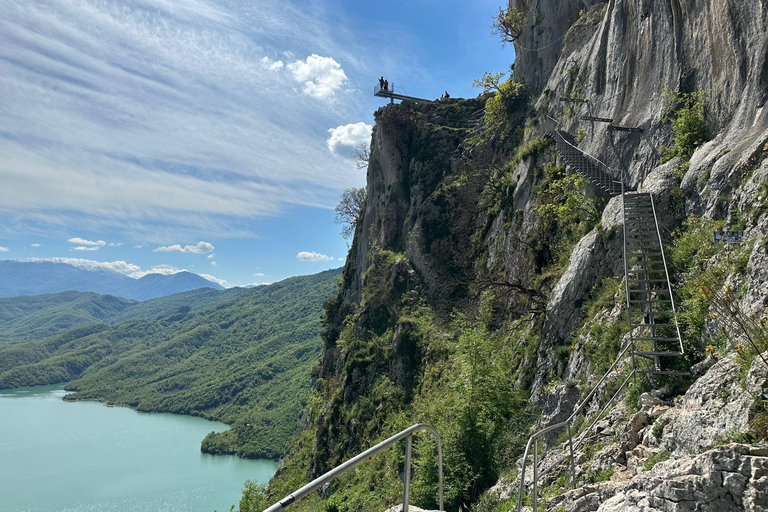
(571, 445)
(370, 452)
(666, 272)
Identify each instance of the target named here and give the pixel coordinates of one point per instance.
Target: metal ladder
(654, 334)
(653, 330)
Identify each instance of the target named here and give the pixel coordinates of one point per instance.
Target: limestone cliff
(483, 289)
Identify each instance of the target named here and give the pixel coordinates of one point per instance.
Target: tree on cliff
(348, 210)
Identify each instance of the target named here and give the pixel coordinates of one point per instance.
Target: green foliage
(509, 24)
(508, 99)
(35, 317)
(244, 361)
(593, 477)
(686, 112)
(254, 497)
(489, 81)
(655, 459)
(602, 340)
(658, 428)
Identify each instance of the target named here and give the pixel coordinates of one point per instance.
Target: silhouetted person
(446, 95)
(381, 82)
(386, 85)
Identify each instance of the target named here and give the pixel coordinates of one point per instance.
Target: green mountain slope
(33, 317)
(245, 361)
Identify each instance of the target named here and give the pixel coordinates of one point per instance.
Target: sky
(213, 136)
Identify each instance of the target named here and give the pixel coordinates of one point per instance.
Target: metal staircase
(654, 337)
(602, 176)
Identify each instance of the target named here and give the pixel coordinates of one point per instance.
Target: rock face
(731, 478)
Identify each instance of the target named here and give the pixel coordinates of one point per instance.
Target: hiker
(381, 82)
(446, 96)
(386, 85)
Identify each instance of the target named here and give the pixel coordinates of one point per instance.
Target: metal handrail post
(535, 470)
(367, 454)
(573, 459)
(407, 476)
(522, 473)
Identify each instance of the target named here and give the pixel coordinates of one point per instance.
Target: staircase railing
(644, 238)
(367, 454)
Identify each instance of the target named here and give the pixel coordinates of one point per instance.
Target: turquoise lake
(85, 457)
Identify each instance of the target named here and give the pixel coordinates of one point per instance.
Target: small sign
(729, 237)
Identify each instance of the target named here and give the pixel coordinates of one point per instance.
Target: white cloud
(4, 249)
(149, 116)
(83, 241)
(211, 256)
(313, 256)
(140, 246)
(321, 76)
(349, 137)
(35, 245)
(121, 267)
(258, 274)
(119, 244)
(200, 248)
(163, 269)
(84, 248)
(272, 65)
(214, 264)
(209, 277)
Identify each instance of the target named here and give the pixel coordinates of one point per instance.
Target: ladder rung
(635, 326)
(664, 372)
(654, 338)
(647, 280)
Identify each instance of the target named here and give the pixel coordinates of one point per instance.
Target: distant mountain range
(36, 277)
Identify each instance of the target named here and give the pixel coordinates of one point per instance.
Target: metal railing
(597, 170)
(572, 447)
(367, 454)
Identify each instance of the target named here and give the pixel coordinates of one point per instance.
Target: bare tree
(361, 154)
(349, 209)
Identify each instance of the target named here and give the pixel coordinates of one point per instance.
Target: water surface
(58, 456)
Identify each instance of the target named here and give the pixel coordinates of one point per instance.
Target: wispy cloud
(83, 241)
(147, 113)
(35, 245)
(200, 248)
(85, 248)
(215, 279)
(313, 256)
(4, 249)
(214, 264)
(258, 274)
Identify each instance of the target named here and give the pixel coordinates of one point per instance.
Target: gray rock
(711, 408)
(727, 478)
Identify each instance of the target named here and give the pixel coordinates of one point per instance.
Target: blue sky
(208, 135)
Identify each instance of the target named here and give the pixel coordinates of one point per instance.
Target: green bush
(686, 112)
(511, 96)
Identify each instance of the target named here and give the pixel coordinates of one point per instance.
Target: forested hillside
(245, 361)
(30, 317)
(484, 292)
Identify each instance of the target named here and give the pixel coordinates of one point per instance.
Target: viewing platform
(392, 95)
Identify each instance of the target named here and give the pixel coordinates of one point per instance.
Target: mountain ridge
(38, 277)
